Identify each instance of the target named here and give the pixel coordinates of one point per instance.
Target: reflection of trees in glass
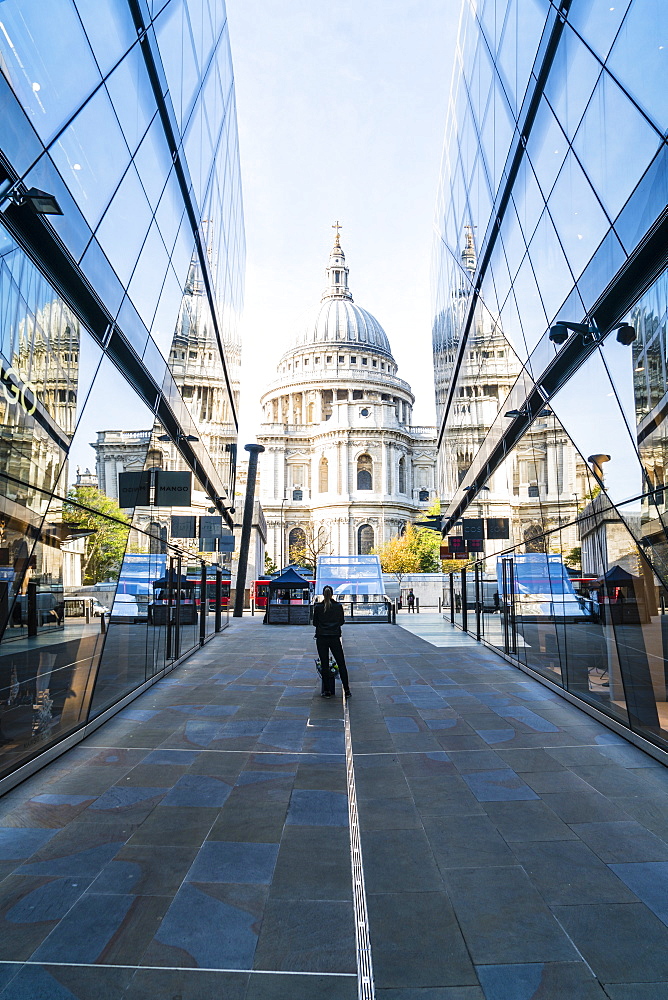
(89, 508)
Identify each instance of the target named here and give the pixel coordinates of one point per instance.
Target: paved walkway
(197, 846)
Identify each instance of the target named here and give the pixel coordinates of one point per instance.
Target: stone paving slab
(197, 845)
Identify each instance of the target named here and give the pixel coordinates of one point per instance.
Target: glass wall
(549, 341)
(119, 350)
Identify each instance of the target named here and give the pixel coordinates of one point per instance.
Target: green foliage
(270, 566)
(109, 528)
(574, 557)
(588, 497)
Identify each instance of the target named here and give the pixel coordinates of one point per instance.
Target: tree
(401, 555)
(90, 508)
(574, 557)
(270, 566)
(313, 544)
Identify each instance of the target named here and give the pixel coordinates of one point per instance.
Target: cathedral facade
(344, 468)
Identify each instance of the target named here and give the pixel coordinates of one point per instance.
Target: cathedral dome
(339, 320)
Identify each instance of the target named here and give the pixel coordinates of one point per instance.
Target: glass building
(119, 351)
(551, 305)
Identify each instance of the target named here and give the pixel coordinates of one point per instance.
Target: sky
(341, 111)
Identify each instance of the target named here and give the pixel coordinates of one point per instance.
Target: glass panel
(572, 78)
(50, 621)
(19, 143)
(588, 409)
(47, 60)
(638, 58)
(124, 226)
(614, 144)
(148, 276)
(577, 215)
(552, 273)
(546, 148)
(598, 23)
(132, 97)
(109, 28)
(91, 155)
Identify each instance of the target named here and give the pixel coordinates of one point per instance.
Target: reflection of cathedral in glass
(118, 328)
(550, 348)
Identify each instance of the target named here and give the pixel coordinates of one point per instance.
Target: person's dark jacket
(328, 621)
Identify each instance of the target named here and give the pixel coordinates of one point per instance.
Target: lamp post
(255, 450)
(282, 532)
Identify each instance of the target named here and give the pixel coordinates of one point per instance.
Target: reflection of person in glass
(328, 619)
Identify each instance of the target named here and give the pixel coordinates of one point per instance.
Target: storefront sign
(133, 489)
(172, 489)
(498, 527)
(184, 526)
(473, 527)
(210, 527)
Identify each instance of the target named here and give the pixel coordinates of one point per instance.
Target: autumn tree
(90, 508)
(401, 555)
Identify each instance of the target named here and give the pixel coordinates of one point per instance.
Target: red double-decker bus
(260, 592)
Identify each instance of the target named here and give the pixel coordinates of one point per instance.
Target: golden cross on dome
(337, 225)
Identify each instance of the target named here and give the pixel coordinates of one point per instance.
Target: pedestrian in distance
(411, 600)
(328, 619)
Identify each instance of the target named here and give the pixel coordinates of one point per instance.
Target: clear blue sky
(341, 113)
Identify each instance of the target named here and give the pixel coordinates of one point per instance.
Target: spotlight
(514, 413)
(626, 334)
(558, 333)
(544, 413)
(42, 202)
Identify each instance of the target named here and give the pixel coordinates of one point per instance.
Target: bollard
(252, 607)
(417, 605)
(87, 612)
(440, 602)
(103, 623)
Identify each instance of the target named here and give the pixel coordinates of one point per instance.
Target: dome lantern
(341, 322)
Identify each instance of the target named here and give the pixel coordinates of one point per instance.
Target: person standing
(328, 619)
(411, 600)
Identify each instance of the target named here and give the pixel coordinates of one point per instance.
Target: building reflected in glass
(118, 330)
(550, 347)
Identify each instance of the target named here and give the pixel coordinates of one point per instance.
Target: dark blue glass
(19, 142)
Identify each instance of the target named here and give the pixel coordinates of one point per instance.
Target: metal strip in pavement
(365, 984)
(174, 968)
